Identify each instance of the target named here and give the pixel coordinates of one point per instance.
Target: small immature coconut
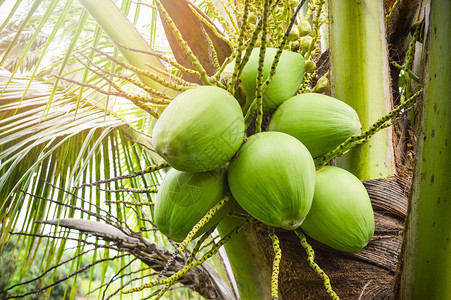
(200, 130)
(320, 122)
(252, 18)
(304, 27)
(294, 34)
(184, 198)
(284, 84)
(273, 178)
(310, 67)
(305, 43)
(341, 216)
(322, 85)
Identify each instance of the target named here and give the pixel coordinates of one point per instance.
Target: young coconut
(304, 28)
(341, 216)
(273, 179)
(184, 198)
(200, 130)
(320, 122)
(284, 84)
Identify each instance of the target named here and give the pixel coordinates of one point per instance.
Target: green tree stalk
(426, 272)
(359, 64)
(252, 275)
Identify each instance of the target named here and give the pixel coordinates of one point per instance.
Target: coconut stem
(391, 13)
(275, 264)
(183, 44)
(192, 233)
(250, 114)
(210, 26)
(147, 170)
(131, 190)
(314, 266)
(164, 58)
(137, 83)
(134, 98)
(177, 87)
(317, 22)
(175, 79)
(129, 202)
(354, 140)
(282, 45)
(199, 244)
(261, 62)
(239, 49)
(224, 23)
(171, 280)
(305, 86)
(202, 222)
(228, 60)
(252, 41)
(214, 54)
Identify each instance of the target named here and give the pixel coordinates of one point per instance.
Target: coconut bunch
(270, 174)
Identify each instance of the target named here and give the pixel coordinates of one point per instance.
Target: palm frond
(65, 147)
(56, 135)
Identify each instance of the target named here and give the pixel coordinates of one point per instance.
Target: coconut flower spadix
(341, 216)
(200, 130)
(284, 84)
(184, 198)
(320, 122)
(273, 179)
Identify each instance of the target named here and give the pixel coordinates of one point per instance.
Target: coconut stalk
(426, 272)
(252, 273)
(359, 64)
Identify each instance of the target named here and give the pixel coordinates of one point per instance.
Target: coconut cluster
(271, 174)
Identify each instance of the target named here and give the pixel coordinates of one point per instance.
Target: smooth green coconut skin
(200, 130)
(341, 216)
(273, 179)
(320, 122)
(284, 84)
(184, 198)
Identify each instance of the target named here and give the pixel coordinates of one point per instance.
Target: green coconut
(341, 216)
(304, 27)
(273, 179)
(320, 122)
(200, 130)
(284, 84)
(184, 198)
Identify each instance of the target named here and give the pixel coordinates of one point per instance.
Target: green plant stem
(171, 280)
(252, 275)
(311, 260)
(426, 271)
(202, 222)
(354, 140)
(359, 64)
(239, 48)
(261, 60)
(275, 264)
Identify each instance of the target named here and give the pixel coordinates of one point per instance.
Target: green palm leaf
(55, 135)
(62, 147)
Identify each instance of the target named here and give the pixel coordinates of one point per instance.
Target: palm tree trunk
(426, 272)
